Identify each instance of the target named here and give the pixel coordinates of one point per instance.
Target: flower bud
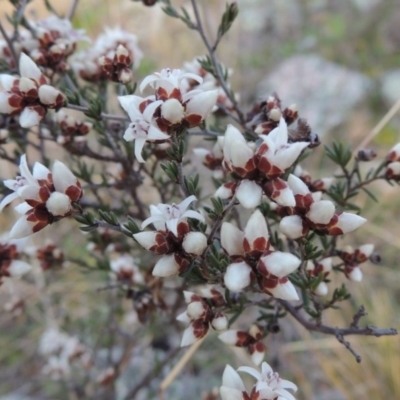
(58, 204)
(172, 111)
(366, 155)
(321, 212)
(219, 322)
(195, 310)
(356, 274)
(275, 114)
(194, 243)
(322, 289)
(292, 226)
(125, 76)
(237, 276)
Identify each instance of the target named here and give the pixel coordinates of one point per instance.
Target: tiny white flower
(171, 215)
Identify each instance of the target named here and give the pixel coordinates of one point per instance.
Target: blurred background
(339, 61)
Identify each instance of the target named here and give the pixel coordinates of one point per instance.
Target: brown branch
(369, 330)
(211, 50)
(9, 44)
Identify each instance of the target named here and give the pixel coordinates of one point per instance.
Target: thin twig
(72, 9)
(102, 115)
(211, 51)
(9, 44)
(179, 366)
(347, 344)
(386, 118)
(369, 330)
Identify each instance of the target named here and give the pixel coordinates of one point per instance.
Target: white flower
(269, 384)
(142, 129)
(280, 154)
(29, 96)
(194, 243)
(168, 80)
(170, 215)
(46, 195)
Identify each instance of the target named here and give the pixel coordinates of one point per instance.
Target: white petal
(146, 239)
(22, 228)
(285, 198)
(62, 176)
(239, 154)
(285, 157)
(349, 222)
(188, 337)
(183, 317)
(151, 108)
(28, 68)
(292, 226)
(193, 214)
(22, 208)
(257, 357)
(231, 379)
(185, 203)
(228, 393)
(232, 239)
(356, 274)
(40, 171)
(229, 337)
(7, 81)
(285, 291)
(48, 94)
(366, 249)
(249, 194)
(155, 134)
(18, 268)
(279, 135)
(8, 199)
(172, 226)
(29, 117)
(223, 192)
(256, 227)
(237, 276)
(165, 267)
(139, 143)
(202, 103)
(297, 185)
(251, 371)
(281, 264)
(5, 107)
(322, 289)
(321, 212)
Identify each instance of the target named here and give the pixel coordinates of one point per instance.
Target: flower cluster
(201, 315)
(173, 238)
(72, 130)
(312, 213)
(352, 258)
(29, 96)
(47, 196)
(169, 110)
(269, 385)
(253, 255)
(259, 169)
(11, 264)
(56, 41)
(60, 351)
(110, 56)
(209, 83)
(393, 163)
(251, 340)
